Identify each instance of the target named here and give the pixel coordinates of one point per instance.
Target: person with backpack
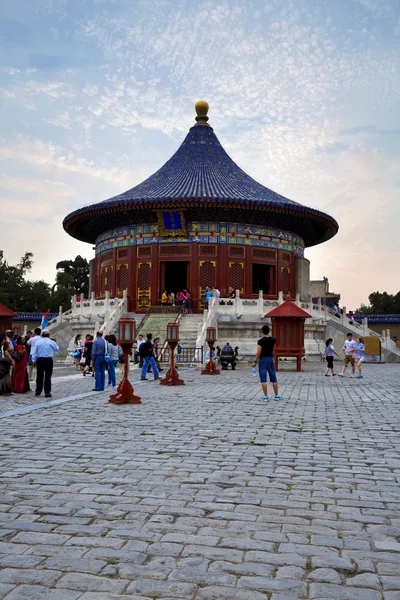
(147, 353)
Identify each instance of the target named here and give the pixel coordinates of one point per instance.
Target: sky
(304, 95)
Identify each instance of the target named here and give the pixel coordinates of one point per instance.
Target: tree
(381, 304)
(19, 294)
(72, 277)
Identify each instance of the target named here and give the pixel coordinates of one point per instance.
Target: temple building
(199, 220)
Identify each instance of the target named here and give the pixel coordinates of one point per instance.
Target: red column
(155, 270)
(194, 275)
(132, 253)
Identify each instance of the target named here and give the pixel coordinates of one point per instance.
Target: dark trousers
(44, 370)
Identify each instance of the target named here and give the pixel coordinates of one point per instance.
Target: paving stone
(391, 583)
(338, 592)
(213, 553)
(201, 577)
(276, 559)
(5, 588)
(75, 565)
(365, 580)
(388, 545)
(333, 562)
(107, 596)
(290, 572)
(33, 537)
(38, 592)
(273, 585)
(20, 561)
(86, 582)
(155, 588)
(165, 549)
(324, 575)
(244, 568)
(283, 597)
(228, 593)
(387, 569)
(34, 576)
(175, 493)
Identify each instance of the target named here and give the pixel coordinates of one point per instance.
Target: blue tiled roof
(32, 316)
(201, 174)
(201, 168)
(377, 319)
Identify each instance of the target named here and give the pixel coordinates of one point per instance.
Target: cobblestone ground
(205, 493)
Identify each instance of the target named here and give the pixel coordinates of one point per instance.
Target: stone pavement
(205, 493)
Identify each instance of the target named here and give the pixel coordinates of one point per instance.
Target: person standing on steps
(264, 358)
(146, 351)
(349, 347)
(329, 354)
(43, 353)
(99, 362)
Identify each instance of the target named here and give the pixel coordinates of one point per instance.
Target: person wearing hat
(42, 355)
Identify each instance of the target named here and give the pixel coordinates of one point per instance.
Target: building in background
(319, 289)
(200, 220)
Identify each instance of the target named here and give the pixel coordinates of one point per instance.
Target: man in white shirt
(32, 341)
(137, 357)
(349, 348)
(42, 355)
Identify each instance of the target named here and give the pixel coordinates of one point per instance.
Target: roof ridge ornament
(201, 108)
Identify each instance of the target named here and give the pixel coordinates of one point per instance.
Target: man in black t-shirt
(264, 358)
(146, 352)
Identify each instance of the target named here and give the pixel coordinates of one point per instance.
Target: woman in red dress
(20, 381)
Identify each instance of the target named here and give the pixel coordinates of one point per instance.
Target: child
(359, 356)
(329, 353)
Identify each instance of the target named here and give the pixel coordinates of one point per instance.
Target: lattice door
(207, 273)
(236, 276)
(122, 278)
(143, 286)
(285, 279)
(106, 274)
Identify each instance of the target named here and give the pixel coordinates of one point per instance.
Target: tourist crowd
(18, 356)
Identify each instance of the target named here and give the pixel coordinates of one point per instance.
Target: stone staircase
(156, 324)
(188, 329)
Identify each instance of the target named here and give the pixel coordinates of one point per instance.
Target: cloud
(304, 96)
(47, 156)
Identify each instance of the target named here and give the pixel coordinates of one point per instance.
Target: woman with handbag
(6, 362)
(87, 355)
(111, 357)
(77, 353)
(20, 380)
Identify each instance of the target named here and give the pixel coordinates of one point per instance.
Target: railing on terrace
(188, 355)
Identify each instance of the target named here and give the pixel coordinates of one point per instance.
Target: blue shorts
(266, 365)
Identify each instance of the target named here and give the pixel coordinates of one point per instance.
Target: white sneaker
(352, 376)
(340, 374)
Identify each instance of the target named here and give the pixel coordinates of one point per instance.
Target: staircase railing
(210, 319)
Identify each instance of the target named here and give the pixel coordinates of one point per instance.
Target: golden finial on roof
(201, 110)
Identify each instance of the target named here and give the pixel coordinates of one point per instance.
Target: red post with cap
(126, 338)
(172, 376)
(211, 338)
